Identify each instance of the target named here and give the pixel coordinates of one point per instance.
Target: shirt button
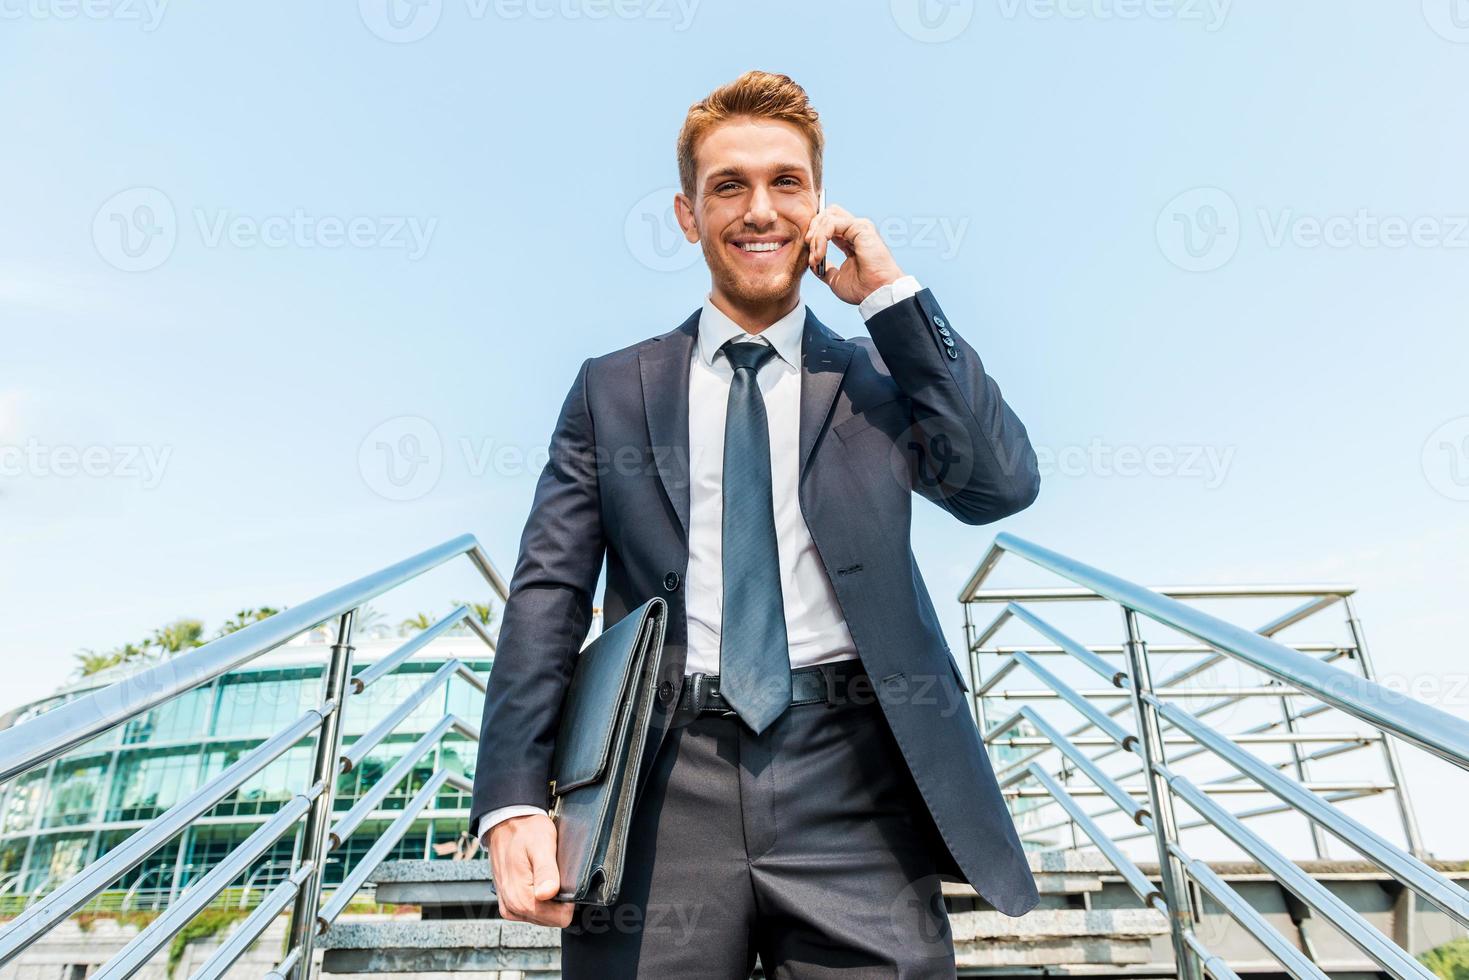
(665, 692)
(670, 581)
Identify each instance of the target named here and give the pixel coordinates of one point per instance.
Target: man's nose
(762, 211)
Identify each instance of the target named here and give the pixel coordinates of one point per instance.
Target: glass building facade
(58, 818)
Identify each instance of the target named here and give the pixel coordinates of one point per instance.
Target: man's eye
(725, 186)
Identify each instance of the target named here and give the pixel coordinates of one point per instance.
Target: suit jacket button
(665, 692)
(938, 321)
(670, 581)
(948, 341)
(953, 354)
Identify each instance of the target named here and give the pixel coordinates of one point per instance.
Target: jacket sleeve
(545, 619)
(968, 452)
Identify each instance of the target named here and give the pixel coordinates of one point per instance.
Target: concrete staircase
(459, 931)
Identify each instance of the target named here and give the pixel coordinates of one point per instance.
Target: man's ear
(683, 209)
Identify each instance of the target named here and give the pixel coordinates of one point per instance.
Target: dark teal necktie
(754, 662)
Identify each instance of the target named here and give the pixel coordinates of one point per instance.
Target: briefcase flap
(602, 684)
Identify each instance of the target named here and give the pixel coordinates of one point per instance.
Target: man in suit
(813, 772)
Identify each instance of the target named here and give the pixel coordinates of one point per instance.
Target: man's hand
(523, 857)
(868, 265)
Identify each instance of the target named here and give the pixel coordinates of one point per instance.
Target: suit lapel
(824, 359)
(664, 366)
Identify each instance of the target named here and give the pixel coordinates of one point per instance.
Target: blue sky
(1214, 253)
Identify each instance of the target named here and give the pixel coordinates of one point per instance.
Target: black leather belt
(832, 683)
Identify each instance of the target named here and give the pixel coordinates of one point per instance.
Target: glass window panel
(76, 792)
(179, 720)
(24, 801)
(147, 784)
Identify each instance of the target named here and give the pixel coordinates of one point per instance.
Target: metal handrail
(69, 725)
(1295, 671)
(73, 723)
(1425, 726)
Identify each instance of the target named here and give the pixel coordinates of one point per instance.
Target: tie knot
(748, 354)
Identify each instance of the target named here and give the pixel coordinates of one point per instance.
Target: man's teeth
(760, 246)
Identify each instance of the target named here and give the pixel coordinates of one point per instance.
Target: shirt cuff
(884, 296)
(503, 813)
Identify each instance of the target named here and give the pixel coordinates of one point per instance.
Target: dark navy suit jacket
(909, 411)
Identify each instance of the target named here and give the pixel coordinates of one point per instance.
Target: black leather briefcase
(599, 748)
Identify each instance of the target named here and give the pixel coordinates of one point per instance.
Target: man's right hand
(523, 858)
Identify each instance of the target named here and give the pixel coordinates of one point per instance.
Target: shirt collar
(716, 329)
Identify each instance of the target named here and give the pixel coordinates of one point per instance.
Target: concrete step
(1071, 937)
(464, 947)
(1056, 937)
(465, 889)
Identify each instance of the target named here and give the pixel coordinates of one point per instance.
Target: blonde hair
(755, 94)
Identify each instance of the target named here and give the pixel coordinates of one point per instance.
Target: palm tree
(483, 611)
(91, 662)
(416, 624)
(179, 635)
(245, 617)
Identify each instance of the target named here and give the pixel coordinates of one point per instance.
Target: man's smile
(760, 250)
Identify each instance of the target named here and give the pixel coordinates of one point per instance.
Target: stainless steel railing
(1148, 723)
(41, 739)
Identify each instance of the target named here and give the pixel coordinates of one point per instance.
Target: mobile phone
(820, 207)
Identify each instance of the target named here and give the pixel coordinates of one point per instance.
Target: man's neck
(754, 319)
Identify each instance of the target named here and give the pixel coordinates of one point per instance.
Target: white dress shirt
(816, 631)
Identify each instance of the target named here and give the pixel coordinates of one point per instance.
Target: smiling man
(813, 773)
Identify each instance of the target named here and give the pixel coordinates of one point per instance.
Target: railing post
(1389, 747)
(319, 817)
(1160, 802)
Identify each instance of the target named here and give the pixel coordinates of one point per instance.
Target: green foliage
(202, 926)
(1450, 961)
(417, 624)
(175, 637)
(483, 611)
(246, 617)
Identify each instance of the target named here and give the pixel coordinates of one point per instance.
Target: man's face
(754, 197)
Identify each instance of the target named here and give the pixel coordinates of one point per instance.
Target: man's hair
(757, 95)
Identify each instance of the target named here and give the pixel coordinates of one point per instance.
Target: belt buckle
(714, 692)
